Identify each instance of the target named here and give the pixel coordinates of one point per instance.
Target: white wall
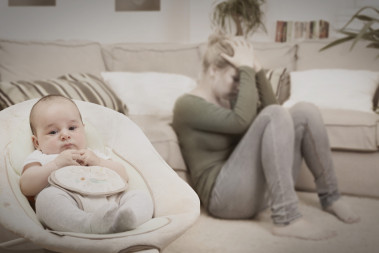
(337, 12)
(178, 20)
(95, 20)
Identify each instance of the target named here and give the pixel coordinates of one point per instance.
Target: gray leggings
(264, 165)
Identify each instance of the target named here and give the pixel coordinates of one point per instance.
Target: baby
(60, 141)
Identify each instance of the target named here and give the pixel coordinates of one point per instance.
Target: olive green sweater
(209, 133)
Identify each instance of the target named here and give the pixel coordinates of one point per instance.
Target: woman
(244, 151)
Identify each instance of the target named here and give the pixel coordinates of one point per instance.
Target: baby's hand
(88, 158)
(67, 158)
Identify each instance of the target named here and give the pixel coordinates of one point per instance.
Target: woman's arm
(200, 114)
(197, 113)
(245, 56)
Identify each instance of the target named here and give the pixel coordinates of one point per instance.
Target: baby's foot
(126, 219)
(102, 220)
(136, 209)
(303, 229)
(343, 211)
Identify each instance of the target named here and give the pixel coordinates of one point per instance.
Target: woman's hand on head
(243, 54)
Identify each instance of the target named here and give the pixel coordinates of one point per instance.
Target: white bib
(88, 180)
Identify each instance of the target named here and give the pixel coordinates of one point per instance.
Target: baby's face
(58, 127)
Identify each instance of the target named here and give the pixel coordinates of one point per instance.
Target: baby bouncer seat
(176, 205)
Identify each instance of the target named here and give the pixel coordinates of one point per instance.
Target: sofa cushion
(170, 58)
(185, 58)
(160, 133)
(149, 93)
(276, 55)
(84, 87)
(360, 57)
(334, 88)
(280, 82)
(29, 60)
(351, 130)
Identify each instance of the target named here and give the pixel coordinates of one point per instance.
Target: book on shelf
(287, 31)
(324, 29)
(280, 31)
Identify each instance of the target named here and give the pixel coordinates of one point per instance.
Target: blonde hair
(217, 44)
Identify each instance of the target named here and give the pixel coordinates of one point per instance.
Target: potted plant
(245, 14)
(368, 32)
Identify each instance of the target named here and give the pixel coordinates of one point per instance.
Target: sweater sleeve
(202, 115)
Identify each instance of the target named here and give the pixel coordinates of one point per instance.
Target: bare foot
(343, 211)
(303, 229)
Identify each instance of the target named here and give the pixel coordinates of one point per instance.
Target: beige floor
(210, 235)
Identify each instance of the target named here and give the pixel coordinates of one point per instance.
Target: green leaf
(336, 42)
(361, 34)
(357, 14)
(366, 18)
(349, 33)
(367, 32)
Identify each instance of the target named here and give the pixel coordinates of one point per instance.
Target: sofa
(142, 81)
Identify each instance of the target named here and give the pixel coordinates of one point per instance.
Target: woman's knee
(273, 109)
(303, 112)
(304, 108)
(277, 113)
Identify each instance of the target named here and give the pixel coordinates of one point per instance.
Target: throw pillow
(334, 88)
(85, 87)
(376, 100)
(149, 93)
(42, 59)
(279, 79)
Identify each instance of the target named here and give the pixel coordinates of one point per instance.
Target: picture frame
(137, 5)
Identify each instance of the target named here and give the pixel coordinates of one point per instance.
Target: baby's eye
(52, 132)
(72, 128)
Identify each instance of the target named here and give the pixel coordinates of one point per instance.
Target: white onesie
(89, 199)
(38, 156)
(91, 186)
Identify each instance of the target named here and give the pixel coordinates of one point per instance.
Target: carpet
(210, 235)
